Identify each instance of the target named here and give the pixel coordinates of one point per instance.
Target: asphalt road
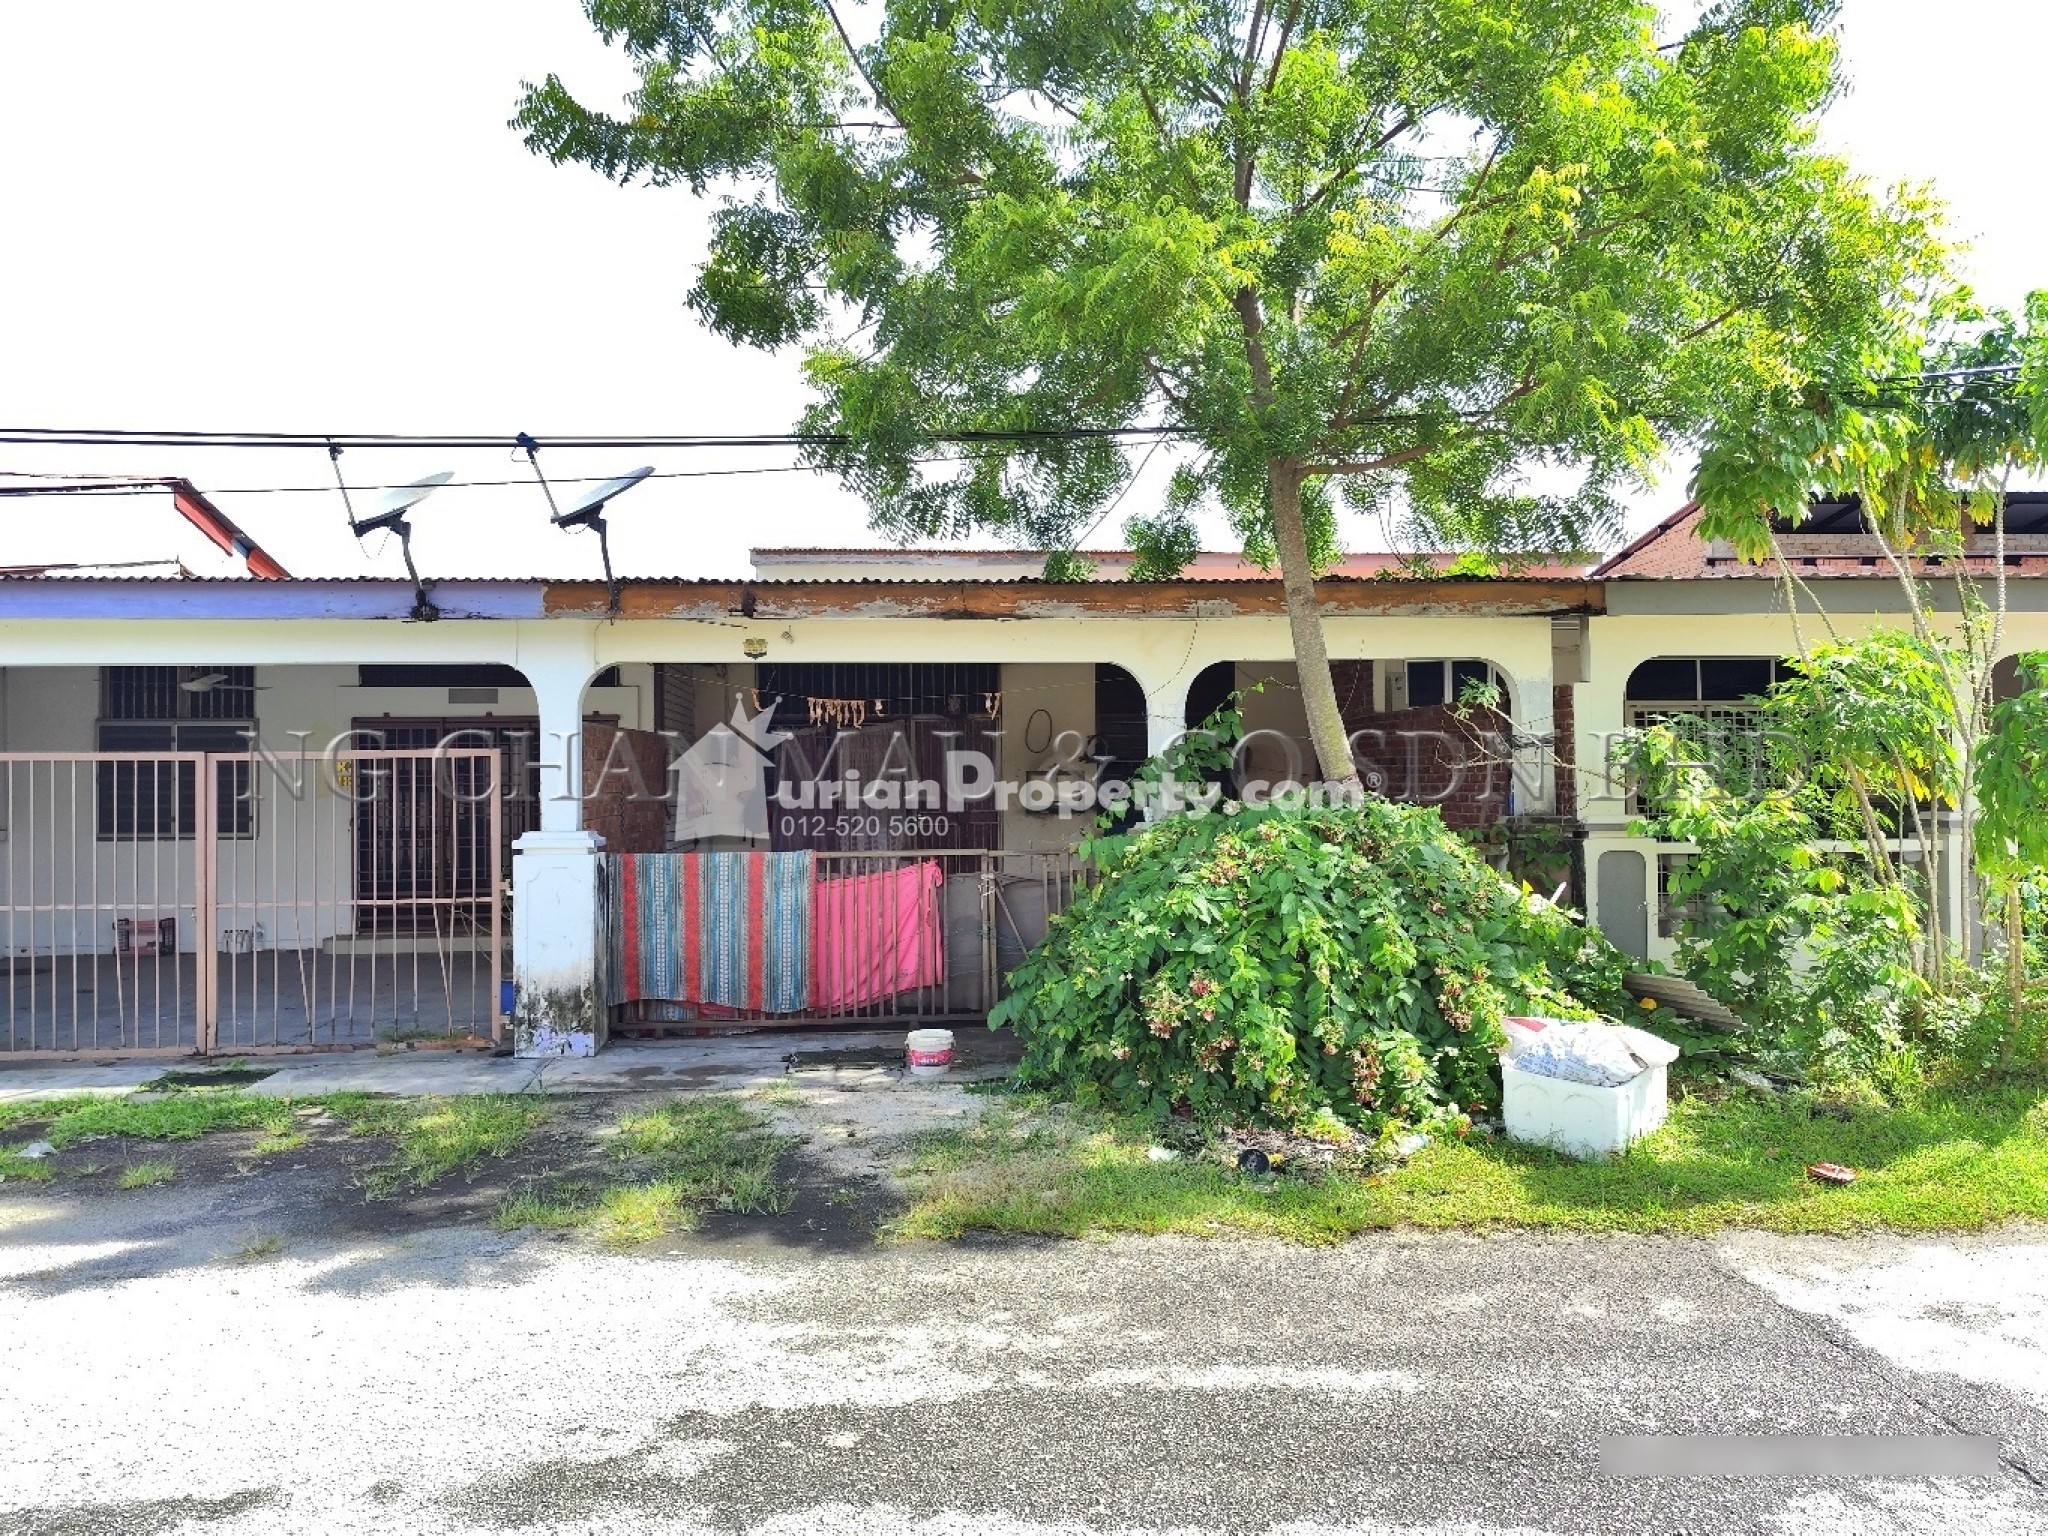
(454, 1379)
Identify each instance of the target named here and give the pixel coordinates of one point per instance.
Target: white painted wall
(1619, 642)
(294, 877)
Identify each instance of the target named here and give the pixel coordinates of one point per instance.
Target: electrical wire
(143, 485)
(123, 437)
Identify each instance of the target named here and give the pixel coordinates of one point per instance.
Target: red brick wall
(625, 808)
(1564, 748)
(1451, 763)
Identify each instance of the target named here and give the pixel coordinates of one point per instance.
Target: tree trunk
(1326, 731)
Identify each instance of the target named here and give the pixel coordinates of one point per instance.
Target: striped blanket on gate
(724, 930)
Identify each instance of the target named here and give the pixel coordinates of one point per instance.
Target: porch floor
(724, 1062)
(274, 997)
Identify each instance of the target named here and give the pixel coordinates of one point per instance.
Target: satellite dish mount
(587, 511)
(389, 516)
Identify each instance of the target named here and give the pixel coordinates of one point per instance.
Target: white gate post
(558, 915)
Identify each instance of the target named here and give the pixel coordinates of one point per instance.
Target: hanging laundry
(722, 930)
(878, 935)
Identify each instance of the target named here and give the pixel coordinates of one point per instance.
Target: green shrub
(1286, 965)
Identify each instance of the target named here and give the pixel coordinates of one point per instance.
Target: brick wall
(1564, 746)
(625, 776)
(1429, 756)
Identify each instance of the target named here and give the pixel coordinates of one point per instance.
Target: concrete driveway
(153, 1381)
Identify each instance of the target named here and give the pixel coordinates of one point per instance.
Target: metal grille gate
(173, 902)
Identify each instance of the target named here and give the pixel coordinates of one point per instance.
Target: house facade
(418, 843)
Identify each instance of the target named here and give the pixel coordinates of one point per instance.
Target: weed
(262, 1246)
(677, 1160)
(147, 1175)
(31, 1170)
(279, 1141)
(179, 1116)
(553, 1208)
(433, 1138)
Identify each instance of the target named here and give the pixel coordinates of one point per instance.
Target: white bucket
(930, 1052)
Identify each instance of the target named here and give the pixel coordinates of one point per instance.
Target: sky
(240, 215)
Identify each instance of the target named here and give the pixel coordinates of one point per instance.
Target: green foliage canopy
(1408, 242)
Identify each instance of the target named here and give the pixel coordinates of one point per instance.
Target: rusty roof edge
(1034, 598)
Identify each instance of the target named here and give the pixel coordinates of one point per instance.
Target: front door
(422, 855)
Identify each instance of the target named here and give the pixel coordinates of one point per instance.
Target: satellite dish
(394, 504)
(580, 513)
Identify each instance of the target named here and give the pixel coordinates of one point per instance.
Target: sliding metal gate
(175, 902)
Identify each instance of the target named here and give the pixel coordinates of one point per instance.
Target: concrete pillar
(558, 922)
(1165, 718)
(558, 913)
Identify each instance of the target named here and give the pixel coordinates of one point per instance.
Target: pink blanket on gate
(876, 935)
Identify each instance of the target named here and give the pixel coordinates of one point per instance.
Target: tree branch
(1286, 35)
(853, 56)
(1367, 466)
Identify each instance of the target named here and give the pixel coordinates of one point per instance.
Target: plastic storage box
(1578, 1118)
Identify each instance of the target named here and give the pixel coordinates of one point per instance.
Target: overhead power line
(122, 437)
(155, 486)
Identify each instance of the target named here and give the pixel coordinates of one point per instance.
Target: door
(422, 833)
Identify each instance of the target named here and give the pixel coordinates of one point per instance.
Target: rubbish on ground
(1831, 1173)
(1409, 1145)
(1752, 1079)
(36, 1149)
(1603, 1055)
(1252, 1160)
(1161, 1154)
(1598, 1052)
(1588, 1090)
(930, 1052)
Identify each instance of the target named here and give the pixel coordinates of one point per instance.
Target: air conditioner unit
(145, 935)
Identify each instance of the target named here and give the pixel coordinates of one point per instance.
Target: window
(155, 710)
(1444, 682)
(1705, 679)
(1710, 703)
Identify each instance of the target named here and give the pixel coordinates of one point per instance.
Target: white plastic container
(1578, 1118)
(930, 1052)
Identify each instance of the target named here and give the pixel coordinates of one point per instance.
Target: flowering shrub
(1283, 966)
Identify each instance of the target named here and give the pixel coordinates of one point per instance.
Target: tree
(1927, 431)
(1412, 248)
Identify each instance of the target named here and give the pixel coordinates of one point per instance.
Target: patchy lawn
(433, 1138)
(428, 1139)
(672, 1163)
(1953, 1160)
(154, 1117)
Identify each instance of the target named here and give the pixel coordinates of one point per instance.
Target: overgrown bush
(1288, 966)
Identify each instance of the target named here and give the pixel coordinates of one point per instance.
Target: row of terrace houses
(245, 812)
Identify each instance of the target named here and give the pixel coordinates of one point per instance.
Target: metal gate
(173, 902)
(985, 910)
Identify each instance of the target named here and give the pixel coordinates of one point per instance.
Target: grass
(675, 1162)
(147, 1175)
(32, 1170)
(1954, 1160)
(433, 1138)
(181, 1116)
(280, 1141)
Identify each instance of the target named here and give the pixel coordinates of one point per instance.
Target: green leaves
(1281, 965)
(2012, 780)
(1412, 247)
